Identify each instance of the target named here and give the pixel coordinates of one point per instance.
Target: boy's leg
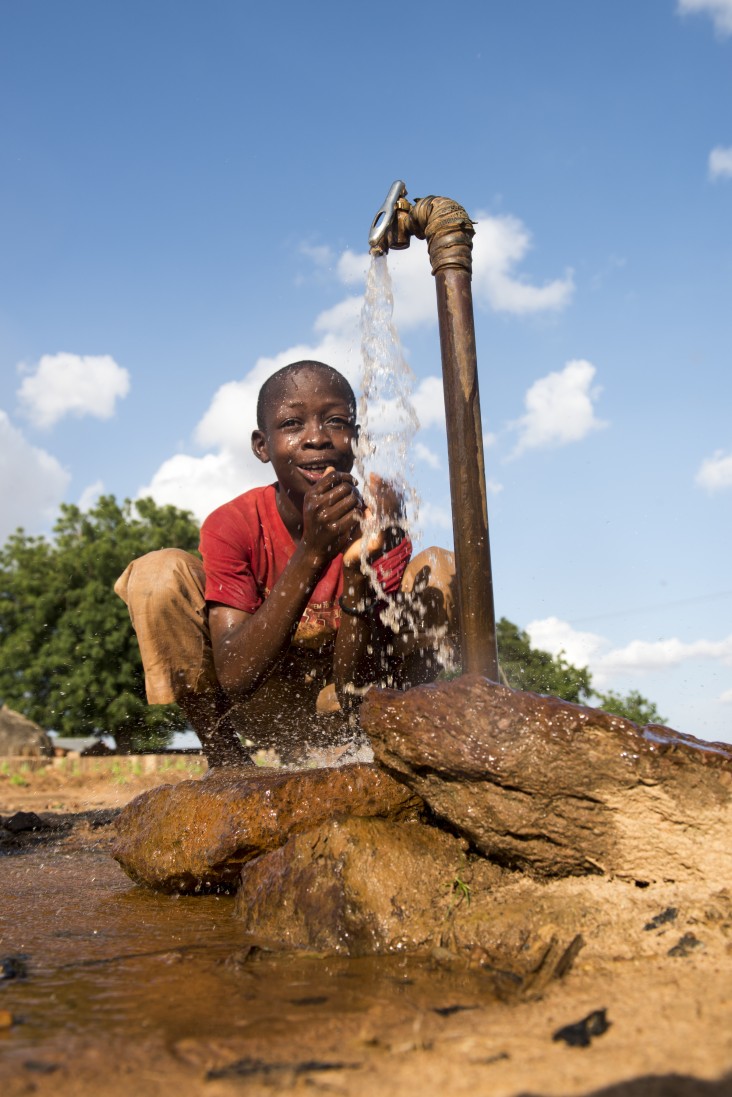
(164, 592)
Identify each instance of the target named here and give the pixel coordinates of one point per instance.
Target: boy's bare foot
(208, 715)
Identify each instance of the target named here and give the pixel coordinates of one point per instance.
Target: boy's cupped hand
(332, 511)
(381, 522)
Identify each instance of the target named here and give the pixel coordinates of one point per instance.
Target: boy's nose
(317, 435)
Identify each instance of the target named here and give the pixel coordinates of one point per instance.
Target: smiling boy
(277, 635)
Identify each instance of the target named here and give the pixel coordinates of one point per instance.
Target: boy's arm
(247, 647)
(357, 660)
(362, 639)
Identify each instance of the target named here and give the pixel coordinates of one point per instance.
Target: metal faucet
(384, 227)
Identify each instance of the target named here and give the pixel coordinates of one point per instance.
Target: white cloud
(559, 408)
(90, 494)
(429, 402)
(424, 453)
(500, 244)
(719, 11)
(342, 319)
(720, 163)
(432, 514)
(320, 254)
(353, 267)
(661, 654)
(638, 656)
(32, 482)
(554, 635)
(715, 473)
(200, 484)
(72, 384)
(493, 487)
(726, 697)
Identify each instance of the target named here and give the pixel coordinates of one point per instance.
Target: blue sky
(187, 190)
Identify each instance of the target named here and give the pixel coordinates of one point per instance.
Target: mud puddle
(110, 989)
(89, 959)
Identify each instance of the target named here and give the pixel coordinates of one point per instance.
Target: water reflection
(107, 959)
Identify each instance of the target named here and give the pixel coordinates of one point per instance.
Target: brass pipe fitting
(445, 226)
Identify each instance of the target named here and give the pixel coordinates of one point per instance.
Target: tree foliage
(532, 669)
(68, 655)
(634, 706)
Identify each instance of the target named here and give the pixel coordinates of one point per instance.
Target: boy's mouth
(315, 470)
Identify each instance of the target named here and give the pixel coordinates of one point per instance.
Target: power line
(648, 609)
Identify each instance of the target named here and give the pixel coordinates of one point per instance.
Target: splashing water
(388, 425)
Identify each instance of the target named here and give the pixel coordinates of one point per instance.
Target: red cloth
(390, 566)
(246, 547)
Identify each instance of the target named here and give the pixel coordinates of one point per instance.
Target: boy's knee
(160, 575)
(430, 583)
(434, 567)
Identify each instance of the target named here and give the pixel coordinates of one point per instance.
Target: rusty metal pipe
(449, 231)
(467, 473)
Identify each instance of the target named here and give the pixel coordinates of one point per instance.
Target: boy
(278, 634)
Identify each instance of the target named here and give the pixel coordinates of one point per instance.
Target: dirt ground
(88, 784)
(657, 1022)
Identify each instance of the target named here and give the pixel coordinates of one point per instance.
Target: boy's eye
(339, 421)
(289, 423)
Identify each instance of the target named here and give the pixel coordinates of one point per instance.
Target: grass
(119, 770)
(461, 889)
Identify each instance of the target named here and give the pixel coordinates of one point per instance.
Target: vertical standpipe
(449, 232)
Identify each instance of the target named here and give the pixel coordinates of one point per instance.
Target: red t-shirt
(246, 546)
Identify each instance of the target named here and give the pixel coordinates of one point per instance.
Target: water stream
(385, 411)
(389, 423)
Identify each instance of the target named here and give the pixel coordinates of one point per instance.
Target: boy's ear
(259, 446)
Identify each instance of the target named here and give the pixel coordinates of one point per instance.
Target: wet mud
(106, 987)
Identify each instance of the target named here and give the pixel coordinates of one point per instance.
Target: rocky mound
(21, 737)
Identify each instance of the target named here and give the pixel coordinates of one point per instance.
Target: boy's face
(309, 426)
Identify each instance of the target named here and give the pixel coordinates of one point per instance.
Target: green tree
(68, 655)
(634, 706)
(532, 669)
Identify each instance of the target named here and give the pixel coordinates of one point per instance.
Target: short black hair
(267, 391)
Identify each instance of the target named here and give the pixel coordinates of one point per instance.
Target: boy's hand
(389, 507)
(388, 503)
(331, 514)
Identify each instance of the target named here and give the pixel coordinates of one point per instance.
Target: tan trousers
(164, 592)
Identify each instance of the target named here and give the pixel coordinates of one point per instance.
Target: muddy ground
(108, 989)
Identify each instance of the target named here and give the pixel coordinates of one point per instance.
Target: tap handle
(384, 219)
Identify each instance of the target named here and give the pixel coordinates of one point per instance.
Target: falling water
(388, 425)
(386, 412)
